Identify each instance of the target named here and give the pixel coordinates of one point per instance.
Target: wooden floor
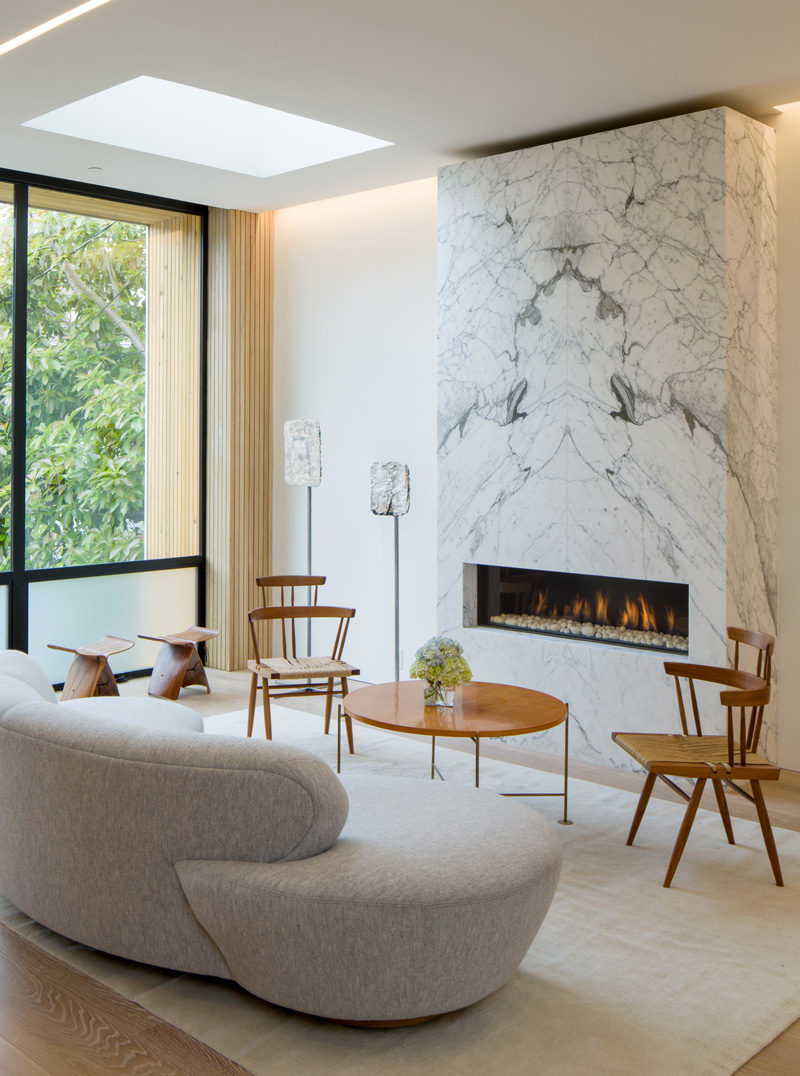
(57, 1021)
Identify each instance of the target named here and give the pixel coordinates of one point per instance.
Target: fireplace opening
(595, 608)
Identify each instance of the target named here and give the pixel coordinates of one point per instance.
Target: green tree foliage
(85, 397)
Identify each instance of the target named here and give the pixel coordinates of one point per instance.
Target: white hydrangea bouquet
(442, 665)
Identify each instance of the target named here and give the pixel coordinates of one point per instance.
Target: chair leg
(766, 829)
(267, 717)
(328, 705)
(650, 780)
(251, 706)
(683, 832)
(722, 803)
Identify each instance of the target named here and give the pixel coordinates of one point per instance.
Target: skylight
(153, 115)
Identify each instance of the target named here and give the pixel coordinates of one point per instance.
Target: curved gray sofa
(376, 900)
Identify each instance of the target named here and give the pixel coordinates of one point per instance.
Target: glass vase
(437, 694)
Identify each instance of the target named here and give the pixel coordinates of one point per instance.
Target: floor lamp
(390, 492)
(302, 445)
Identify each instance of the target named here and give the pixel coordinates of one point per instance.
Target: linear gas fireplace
(594, 608)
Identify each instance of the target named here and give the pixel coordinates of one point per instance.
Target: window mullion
(18, 597)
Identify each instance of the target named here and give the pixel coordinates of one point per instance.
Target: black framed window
(6, 347)
(102, 384)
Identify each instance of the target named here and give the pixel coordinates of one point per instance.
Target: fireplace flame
(540, 606)
(636, 613)
(579, 609)
(648, 614)
(601, 608)
(629, 615)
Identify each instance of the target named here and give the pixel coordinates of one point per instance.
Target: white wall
(355, 348)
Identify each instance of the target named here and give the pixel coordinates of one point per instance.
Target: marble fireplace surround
(607, 396)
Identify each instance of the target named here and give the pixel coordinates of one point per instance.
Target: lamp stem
(308, 629)
(397, 598)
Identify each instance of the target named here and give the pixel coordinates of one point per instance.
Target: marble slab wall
(606, 394)
(752, 383)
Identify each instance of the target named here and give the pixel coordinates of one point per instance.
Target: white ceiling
(441, 79)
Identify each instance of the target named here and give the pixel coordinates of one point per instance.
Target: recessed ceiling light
(94, 168)
(187, 124)
(51, 24)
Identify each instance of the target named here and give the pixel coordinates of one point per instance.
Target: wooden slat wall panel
(174, 286)
(67, 202)
(218, 515)
(239, 425)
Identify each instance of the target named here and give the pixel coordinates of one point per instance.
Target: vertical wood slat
(172, 509)
(239, 425)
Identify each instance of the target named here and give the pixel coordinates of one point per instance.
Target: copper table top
(480, 709)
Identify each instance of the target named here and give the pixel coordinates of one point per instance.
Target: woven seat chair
(282, 670)
(288, 586)
(723, 760)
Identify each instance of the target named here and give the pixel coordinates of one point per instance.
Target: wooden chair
(288, 585)
(289, 667)
(178, 664)
(90, 674)
(719, 759)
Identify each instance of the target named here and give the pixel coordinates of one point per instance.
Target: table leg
(565, 821)
(477, 761)
(339, 738)
(433, 756)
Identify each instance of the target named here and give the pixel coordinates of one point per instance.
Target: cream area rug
(623, 978)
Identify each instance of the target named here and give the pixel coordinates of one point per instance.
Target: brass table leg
(338, 737)
(565, 821)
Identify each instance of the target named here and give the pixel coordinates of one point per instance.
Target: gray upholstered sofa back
(22, 667)
(104, 810)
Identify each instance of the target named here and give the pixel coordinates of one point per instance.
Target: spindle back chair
(279, 672)
(719, 759)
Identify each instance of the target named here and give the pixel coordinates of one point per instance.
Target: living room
(342, 329)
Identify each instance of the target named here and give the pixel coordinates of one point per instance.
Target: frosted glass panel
(73, 612)
(3, 618)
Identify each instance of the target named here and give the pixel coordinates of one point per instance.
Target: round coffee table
(480, 710)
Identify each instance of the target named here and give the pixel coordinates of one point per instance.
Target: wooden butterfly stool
(90, 674)
(178, 663)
